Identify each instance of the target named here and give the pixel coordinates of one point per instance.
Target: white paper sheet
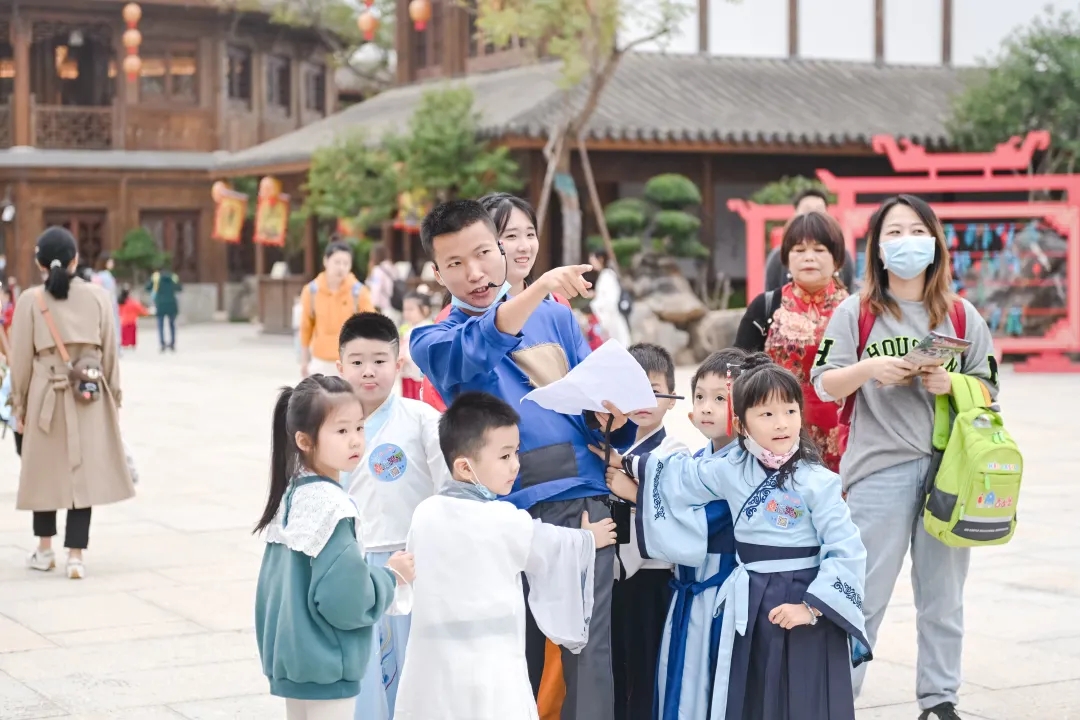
(609, 373)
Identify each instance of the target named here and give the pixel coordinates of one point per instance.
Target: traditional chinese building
(85, 145)
(747, 93)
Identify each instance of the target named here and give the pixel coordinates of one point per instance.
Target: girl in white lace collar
(318, 602)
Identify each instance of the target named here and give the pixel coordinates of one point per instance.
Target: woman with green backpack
(907, 293)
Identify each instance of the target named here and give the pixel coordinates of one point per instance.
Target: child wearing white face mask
(466, 653)
(790, 618)
(907, 293)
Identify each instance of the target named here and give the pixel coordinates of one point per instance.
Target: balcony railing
(71, 127)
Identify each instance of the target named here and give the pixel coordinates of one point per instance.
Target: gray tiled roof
(499, 97)
(656, 97)
(741, 100)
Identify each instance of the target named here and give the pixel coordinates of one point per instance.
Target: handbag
(85, 373)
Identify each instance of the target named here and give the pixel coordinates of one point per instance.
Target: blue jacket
(315, 615)
(466, 352)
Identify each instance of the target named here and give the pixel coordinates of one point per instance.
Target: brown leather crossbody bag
(85, 373)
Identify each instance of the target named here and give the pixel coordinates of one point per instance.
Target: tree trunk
(598, 208)
(557, 136)
(569, 200)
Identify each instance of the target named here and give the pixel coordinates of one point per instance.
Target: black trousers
(77, 532)
(639, 607)
(589, 687)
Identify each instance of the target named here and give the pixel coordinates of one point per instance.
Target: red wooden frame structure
(966, 173)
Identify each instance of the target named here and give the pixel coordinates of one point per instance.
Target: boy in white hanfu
(402, 466)
(466, 653)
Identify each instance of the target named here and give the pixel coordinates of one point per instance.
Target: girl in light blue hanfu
(792, 623)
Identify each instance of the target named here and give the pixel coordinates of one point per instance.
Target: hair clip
(666, 396)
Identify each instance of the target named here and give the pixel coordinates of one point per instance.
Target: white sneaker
(43, 560)
(75, 569)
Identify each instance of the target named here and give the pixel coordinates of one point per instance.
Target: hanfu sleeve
(452, 354)
(560, 574)
(837, 591)
(672, 491)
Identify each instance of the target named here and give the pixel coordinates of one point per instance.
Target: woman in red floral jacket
(788, 323)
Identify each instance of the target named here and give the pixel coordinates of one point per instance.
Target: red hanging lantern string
(132, 39)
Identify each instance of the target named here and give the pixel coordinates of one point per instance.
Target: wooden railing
(71, 127)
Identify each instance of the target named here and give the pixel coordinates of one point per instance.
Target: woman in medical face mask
(907, 292)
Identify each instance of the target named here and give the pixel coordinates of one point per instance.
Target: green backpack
(975, 490)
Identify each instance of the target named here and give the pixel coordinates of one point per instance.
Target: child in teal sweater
(317, 600)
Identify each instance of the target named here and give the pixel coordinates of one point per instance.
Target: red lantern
(369, 3)
(132, 13)
(420, 13)
(218, 190)
(132, 64)
(368, 24)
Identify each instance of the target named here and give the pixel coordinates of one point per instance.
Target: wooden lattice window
(238, 80)
(176, 233)
(169, 74)
(315, 89)
(279, 84)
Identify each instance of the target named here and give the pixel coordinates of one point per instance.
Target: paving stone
(251, 707)
(125, 656)
(87, 692)
(19, 702)
(14, 637)
(88, 612)
(105, 636)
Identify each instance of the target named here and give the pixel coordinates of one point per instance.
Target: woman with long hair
(788, 323)
(72, 455)
(907, 293)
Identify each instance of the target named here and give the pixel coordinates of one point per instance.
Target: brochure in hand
(936, 350)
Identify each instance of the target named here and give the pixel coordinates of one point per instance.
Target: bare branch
(638, 42)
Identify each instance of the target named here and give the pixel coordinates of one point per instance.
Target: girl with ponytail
(65, 395)
(318, 603)
(801, 563)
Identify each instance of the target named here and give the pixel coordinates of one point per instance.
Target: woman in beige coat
(72, 455)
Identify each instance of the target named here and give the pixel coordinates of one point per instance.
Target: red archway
(1001, 171)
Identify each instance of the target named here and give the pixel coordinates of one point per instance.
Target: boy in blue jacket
(507, 347)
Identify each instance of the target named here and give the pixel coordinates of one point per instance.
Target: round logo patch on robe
(387, 462)
(784, 510)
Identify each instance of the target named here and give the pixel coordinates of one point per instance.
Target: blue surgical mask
(484, 491)
(459, 303)
(908, 256)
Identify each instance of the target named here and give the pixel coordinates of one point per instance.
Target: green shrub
(672, 191)
(675, 224)
(139, 256)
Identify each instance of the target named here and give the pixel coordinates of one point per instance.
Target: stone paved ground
(161, 628)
